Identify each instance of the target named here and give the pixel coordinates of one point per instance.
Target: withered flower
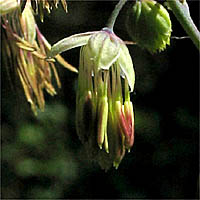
(26, 49)
(39, 6)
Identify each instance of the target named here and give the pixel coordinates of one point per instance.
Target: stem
(115, 13)
(182, 13)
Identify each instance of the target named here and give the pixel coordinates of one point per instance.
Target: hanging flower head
(104, 112)
(26, 50)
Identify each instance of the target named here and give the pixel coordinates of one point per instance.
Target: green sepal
(126, 65)
(71, 42)
(103, 49)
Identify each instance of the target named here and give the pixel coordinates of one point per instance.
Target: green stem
(115, 13)
(181, 11)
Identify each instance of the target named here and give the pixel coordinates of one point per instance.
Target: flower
(38, 6)
(149, 25)
(26, 50)
(104, 112)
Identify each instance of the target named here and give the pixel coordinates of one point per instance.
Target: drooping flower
(26, 50)
(104, 112)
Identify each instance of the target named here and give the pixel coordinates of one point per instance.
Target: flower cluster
(104, 112)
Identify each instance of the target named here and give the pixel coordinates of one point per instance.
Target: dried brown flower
(39, 6)
(26, 49)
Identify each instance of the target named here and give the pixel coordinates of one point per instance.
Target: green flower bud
(149, 25)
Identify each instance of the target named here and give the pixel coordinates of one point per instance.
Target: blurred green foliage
(42, 156)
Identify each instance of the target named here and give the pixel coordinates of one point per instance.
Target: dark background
(42, 156)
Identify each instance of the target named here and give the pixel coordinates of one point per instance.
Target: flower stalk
(115, 13)
(182, 13)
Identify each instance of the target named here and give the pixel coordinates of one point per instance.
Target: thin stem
(181, 11)
(115, 13)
